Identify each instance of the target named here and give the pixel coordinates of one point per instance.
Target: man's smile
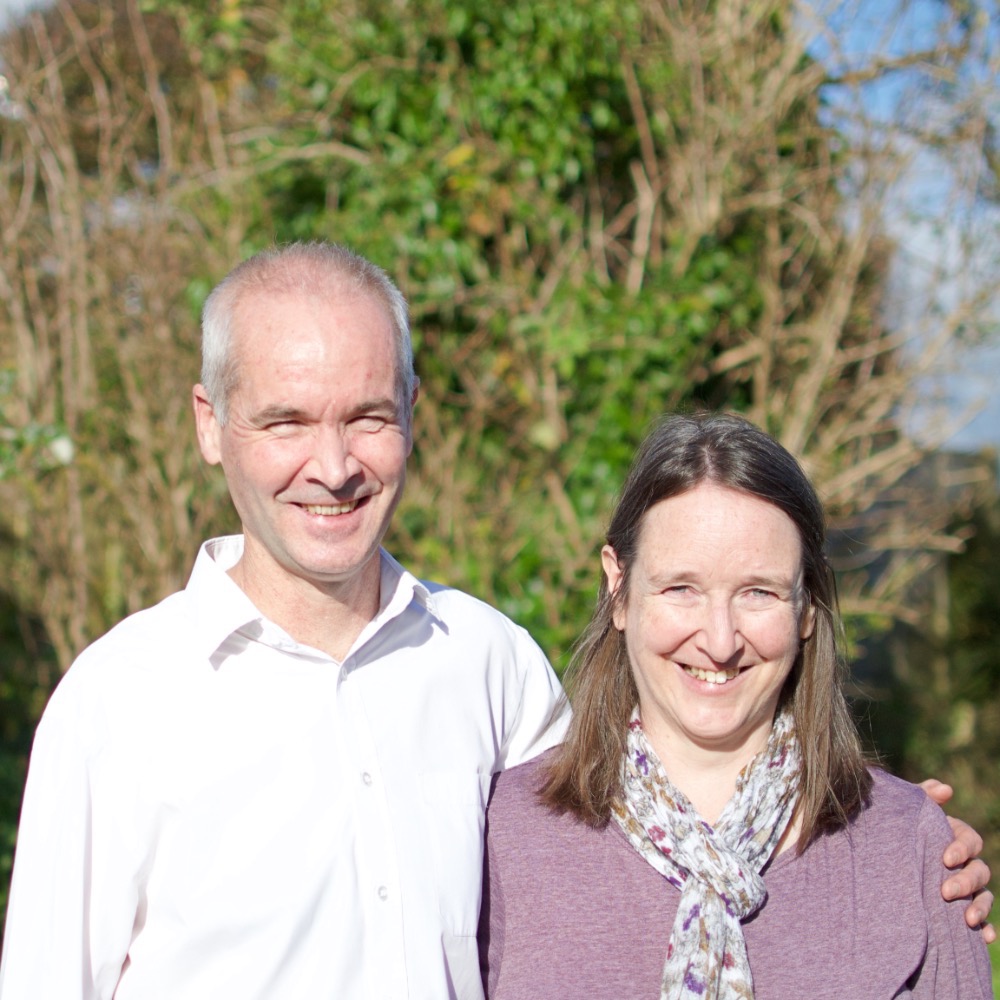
(329, 509)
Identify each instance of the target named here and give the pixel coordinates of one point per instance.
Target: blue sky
(949, 241)
(8, 7)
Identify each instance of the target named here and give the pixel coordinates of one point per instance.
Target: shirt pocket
(455, 802)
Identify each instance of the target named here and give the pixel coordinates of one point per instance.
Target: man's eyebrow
(277, 411)
(286, 411)
(382, 403)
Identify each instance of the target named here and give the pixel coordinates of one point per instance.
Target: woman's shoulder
(897, 818)
(871, 891)
(895, 802)
(890, 791)
(518, 786)
(517, 815)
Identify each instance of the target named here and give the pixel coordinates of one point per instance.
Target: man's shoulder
(442, 593)
(161, 626)
(162, 631)
(141, 643)
(462, 615)
(119, 677)
(461, 609)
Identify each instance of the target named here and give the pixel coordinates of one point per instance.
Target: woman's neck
(708, 783)
(707, 777)
(705, 774)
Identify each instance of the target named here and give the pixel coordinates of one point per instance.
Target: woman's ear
(614, 572)
(808, 622)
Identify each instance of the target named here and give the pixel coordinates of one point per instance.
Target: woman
(710, 828)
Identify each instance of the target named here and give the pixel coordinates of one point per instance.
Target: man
(273, 784)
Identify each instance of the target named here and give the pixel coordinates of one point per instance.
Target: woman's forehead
(713, 521)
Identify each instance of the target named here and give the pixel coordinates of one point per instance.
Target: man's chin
(341, 572)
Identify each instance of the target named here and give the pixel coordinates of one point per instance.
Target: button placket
(376, 848)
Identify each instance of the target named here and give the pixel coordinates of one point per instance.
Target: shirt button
(366, 777)
(383, 893)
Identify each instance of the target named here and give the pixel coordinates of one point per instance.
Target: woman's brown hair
(584, 778)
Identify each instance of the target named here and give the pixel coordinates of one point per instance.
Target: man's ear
(614, 573)
(207, 425)
(409, 422)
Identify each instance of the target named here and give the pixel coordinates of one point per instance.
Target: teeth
(712, 676)
(336, 508)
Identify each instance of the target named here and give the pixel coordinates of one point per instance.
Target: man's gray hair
(304, 268)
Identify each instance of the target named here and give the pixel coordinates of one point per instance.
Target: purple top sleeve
(569, 911)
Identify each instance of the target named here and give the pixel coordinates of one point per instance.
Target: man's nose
(333, 462)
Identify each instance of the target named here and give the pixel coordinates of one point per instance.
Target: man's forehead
(267, 319)
(286, 348)
(330, 295)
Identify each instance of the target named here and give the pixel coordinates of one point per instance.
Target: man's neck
(328, 618)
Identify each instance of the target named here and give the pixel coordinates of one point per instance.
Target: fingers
(969, 880)
(977, 913)
(967, 844)
(937, 790)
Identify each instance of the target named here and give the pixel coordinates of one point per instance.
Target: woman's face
(713, 618)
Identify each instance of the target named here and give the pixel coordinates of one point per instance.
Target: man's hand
(963, 854)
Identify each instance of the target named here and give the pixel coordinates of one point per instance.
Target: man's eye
(369, 422)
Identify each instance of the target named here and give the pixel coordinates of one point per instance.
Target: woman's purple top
(573, 912)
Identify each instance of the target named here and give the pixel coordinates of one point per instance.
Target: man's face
(316, 441)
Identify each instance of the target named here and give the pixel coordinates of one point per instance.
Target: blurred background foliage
(599, 211)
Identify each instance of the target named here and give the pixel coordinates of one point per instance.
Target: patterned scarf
(716, 869)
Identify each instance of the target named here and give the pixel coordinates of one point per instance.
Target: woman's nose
(719, 636)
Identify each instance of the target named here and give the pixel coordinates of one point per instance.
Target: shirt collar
(399, 589)
(220, 607)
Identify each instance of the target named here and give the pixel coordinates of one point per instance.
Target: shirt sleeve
(956, 965)
(69, 920)
(543, 710)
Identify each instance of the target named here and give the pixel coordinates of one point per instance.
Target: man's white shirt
(214, 810)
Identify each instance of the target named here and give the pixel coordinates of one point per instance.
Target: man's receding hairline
(300, 276)
(247, 294)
